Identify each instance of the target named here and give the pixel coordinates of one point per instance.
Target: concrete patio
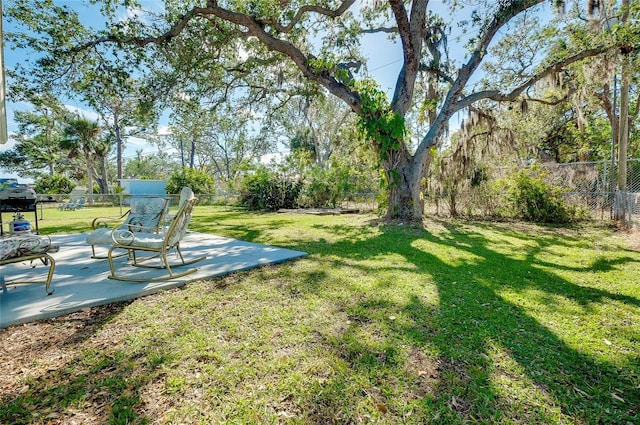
(81, 282)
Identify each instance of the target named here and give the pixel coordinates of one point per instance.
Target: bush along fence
(546, 192)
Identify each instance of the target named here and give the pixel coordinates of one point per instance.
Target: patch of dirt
(32, 350)
(632, 237)
(319, 211)
(427, 369)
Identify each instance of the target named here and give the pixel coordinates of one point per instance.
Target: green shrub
(325, 186)
(529, 197)
(54, 184)
(268, 190)
(199, 181)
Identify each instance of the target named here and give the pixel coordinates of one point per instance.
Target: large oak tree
(284, 45)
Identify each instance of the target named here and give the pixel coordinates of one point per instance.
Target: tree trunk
(623, 125)
(104, 181)
(89, 177)
(192, 156)
(623, 138)
(119, 148)
(405, 199)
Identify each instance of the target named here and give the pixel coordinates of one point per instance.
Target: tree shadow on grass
(491, 359)
(437, 330)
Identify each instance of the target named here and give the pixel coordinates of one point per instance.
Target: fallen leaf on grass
(617, 397)
(580, 391)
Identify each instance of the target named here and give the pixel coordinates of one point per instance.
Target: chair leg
(93, 253)
(164, 265)
(165, 261)
(110, 257)
(101, 257)
(46, 259)
(52, 265)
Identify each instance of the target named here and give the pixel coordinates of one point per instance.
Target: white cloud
(143, 13)
(85, 113)
(164, 130)
(243, 54)
(183, 96)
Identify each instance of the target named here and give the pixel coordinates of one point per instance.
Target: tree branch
(554, 102)
(175, 30)
(389, 30)
(253, 28)
(331, 13)
(506, 11)
(437, 72)
(412, 31)
(497, 96)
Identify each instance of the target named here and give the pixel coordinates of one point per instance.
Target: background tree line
(241, 80)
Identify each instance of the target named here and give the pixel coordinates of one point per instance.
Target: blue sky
(384, 60)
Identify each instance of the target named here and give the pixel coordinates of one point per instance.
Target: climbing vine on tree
(383, 127)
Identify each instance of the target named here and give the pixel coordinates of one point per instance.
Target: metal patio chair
(160, 245)
(146, 215)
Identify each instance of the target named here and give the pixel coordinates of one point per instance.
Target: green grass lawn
(456, 322)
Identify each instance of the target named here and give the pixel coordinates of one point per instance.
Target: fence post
(621, 206)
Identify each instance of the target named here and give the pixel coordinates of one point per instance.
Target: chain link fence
(628, 203)
(593, 186)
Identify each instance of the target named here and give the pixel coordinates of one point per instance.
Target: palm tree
(101, 150)
(81, 139)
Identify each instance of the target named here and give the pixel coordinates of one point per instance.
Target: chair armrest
(99, 222)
